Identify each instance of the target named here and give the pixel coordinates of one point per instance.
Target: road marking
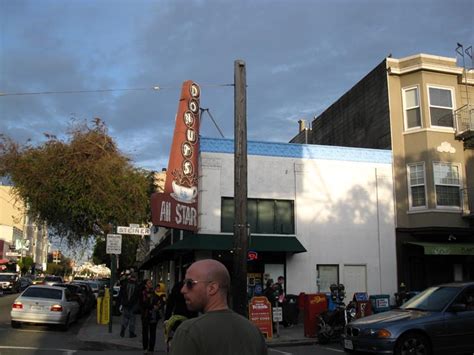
(67, 351)
(338, 350)
(281, 352)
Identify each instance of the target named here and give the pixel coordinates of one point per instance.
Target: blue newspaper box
(380, 303)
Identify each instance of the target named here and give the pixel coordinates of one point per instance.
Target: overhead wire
(151, 88)
(213, 120)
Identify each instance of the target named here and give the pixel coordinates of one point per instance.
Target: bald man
(219, 330)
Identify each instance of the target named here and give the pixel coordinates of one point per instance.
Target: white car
(45, 305)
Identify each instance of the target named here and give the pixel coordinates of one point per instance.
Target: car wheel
(413, 343)
(16, 324)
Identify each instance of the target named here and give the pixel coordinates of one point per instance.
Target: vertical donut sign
(176, 207)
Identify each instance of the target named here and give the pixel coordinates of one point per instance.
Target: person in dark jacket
(176, 305)
(129, 296)
(150, 303)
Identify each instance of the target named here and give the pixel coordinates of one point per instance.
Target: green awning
(445, 248)
(224, 242)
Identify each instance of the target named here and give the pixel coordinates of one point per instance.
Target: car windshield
(42, 292)
(433, 299)
(7, 277)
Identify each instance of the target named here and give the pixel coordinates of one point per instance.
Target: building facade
(20, 235)
(310, 220)
(420, 107)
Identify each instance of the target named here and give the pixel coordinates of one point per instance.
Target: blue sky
(300, 56)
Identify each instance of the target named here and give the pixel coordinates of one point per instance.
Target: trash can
(290, 309)
(380, 303)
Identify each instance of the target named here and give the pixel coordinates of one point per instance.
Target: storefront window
(263, 215)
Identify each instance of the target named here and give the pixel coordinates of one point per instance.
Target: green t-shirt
(218, 332)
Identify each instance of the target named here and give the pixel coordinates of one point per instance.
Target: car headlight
(378, 333)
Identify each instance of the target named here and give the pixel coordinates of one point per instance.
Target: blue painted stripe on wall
(304, 151)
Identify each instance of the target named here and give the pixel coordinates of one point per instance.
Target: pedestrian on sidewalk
(150, 303)
(219, 330)
(176, 313)
(129, 295)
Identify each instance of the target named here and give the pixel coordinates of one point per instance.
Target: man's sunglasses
(189, 283)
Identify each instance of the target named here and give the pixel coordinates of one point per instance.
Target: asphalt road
(44, 340)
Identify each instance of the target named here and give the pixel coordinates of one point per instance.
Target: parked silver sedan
(45, 305)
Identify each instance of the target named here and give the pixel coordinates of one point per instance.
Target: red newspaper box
(314, 304)
(363, 305)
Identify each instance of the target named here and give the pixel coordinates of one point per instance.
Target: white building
(335, 203)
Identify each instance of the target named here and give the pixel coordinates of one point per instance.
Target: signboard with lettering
(260, 313)
(176, 207)
(134, 230)
(277, 314)
(114, 244)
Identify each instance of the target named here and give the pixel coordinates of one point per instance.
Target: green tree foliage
(79, 186)
(25, 264)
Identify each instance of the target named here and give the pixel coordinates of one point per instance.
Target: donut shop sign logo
(176, 207)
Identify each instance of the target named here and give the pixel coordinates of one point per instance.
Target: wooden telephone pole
(240, 247)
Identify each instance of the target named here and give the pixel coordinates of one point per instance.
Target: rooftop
(302, 151)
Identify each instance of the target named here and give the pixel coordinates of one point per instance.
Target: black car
(9, 282)
(439, 320)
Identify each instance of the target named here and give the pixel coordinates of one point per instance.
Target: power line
(152, 88)
(212, 118)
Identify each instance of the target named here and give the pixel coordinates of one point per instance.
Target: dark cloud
(300, 56)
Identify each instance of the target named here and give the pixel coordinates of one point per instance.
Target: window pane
(252, 215)
(266, 216)
(441, 117)
(418, 196)
(440, 97)
(447, 195)
(328, 275)
(446, 173)
(411, 98)
(417, 176)
(227, 215)
(413, 118)
(284, 217)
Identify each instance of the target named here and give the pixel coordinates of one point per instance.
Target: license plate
(36, 308)
(348, 344)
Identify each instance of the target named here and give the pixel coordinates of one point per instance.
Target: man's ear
(213, 288)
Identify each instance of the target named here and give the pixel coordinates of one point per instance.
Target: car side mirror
(458, 307)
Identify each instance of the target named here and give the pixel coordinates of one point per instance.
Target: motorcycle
(331, 323)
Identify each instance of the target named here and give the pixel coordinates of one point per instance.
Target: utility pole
(240, 247)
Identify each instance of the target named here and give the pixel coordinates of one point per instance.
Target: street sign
(277, 314)
(133, 230)
(13, 254)
(114, 244)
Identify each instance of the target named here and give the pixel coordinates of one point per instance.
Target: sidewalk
(92, 332)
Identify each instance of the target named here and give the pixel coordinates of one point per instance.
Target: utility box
(314, 305)
(380, 303)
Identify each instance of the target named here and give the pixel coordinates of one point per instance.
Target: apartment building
(421, 108)
(20, 235)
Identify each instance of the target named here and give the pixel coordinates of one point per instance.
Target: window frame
(459, 166)
(410, 197)
(405, 107)
(453, 103)
(226, 219)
